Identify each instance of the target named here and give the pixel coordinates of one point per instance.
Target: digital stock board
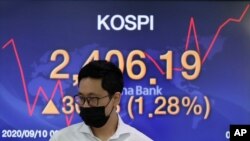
(185, 65)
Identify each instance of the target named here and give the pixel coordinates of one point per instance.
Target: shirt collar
(85, 129)
(122, 129)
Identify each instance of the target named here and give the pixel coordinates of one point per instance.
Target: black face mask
(94, 116)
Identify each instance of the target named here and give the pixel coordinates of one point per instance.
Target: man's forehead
(90, 83)
(91, 80)
(91, 87)
(89, 94)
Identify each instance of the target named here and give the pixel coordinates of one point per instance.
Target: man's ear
(117, 98)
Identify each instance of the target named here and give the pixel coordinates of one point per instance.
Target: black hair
(110, 75)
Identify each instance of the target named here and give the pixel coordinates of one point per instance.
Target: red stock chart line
(40, 91)
(58, 86)
(192, 28)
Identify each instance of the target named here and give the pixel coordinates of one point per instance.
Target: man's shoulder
(136, 134)
(67, 132)
(71, 128)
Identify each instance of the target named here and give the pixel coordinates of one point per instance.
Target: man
(100, 87)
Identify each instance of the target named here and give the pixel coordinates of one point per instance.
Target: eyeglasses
(92, 101)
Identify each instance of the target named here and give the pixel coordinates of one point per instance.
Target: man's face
(90, 87)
